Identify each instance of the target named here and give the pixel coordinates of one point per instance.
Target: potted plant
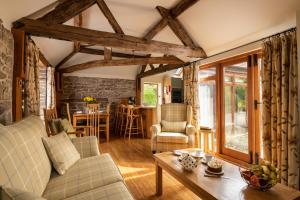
(89, 100)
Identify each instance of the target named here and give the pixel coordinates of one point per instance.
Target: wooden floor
(134, 159)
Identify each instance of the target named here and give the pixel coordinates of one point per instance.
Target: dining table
(84, 116)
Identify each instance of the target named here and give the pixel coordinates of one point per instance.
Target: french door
(238, 95)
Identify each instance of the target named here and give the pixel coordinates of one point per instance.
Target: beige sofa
(26, 170)
(172, 140)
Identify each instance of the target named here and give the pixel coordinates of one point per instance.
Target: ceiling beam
(175, 11)
(107, 54)
(122, 62)
(109, 16)
(176, 27)
(69, 33)
(66, 11)
(182, 6)
(161, 69)
(65, 59)
(113, 54)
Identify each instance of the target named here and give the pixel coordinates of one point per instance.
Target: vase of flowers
(89, 100)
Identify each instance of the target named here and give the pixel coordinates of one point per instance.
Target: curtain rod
(262, 39)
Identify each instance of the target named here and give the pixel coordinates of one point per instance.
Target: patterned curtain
(280, 106)
(190, 79)
(32, 93)
(51, 98)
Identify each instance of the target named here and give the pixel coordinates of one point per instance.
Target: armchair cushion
(178, 127)
(61, 151)
(172, 137)
(86, 146)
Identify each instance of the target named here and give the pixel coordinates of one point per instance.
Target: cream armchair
(174, 130)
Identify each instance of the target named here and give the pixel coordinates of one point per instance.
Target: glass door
(235, 107)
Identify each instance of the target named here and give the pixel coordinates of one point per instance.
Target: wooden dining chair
(104, 124)
(49, 114)
(93, 107)
(93, 123)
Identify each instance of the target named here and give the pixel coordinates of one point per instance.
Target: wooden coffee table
(230, 187)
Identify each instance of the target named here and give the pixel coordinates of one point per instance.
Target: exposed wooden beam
(107, 54)
(182, 6)
(175, 11)
(65, 59)
(152, 66)
(113, 54)
(122, 62)
(156, 29)
(67, 10)
(161, 69)
(143, 68)
(109, 16)
(78, 23)
(69, 33)
(176, 27)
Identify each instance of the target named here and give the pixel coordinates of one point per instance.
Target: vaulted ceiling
(215, 25)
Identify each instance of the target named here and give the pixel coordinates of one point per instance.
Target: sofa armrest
(13, 193)
(191, 132)
(155, 129)
(86, 146)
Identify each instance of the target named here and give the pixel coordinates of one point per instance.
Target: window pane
(204, 73)
(207, 98)
(235, 102)
(150, 94)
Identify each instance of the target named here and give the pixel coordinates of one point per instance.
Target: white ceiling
(215, 25)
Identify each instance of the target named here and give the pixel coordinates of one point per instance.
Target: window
(150, 94)
(229, 95)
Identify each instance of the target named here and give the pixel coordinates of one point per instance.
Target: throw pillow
(178, 127)
(61, 151)
(67, 126)
(17, 194)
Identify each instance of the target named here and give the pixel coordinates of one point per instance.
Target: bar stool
(208, 139)
(121, 124)
(134, 122)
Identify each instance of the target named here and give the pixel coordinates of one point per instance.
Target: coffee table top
(232, 187)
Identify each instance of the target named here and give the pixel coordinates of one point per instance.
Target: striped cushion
(86, 146)
(115, 191)
(169, 137)
(178, 127)
(24, 163)
(16, 194)
(87, 174)
(62, 152)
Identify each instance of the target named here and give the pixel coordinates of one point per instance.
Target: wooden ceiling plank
(65, 59)
(69, 33)
(161, 69)
(66, 11)
(109, 16)
(121, 62)
(114, 54)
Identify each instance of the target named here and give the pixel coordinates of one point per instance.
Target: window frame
(157, 93)
(253, 94)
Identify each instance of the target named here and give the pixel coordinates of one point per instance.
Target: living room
(180, 99)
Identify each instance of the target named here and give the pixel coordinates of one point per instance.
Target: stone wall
(105, 90)
(6, 74)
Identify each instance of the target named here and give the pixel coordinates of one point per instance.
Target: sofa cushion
(114, 191)
(59, 125)
(62, 152)
(17, 194)
(170, 137)
(178, 127)
(87, 174)
(24, 163)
